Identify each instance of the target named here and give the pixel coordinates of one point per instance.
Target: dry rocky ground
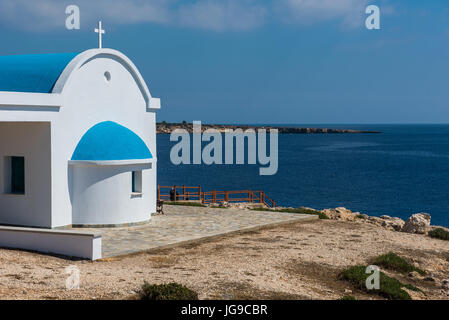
(295, 261)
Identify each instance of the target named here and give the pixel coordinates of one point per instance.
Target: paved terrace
(182, 224)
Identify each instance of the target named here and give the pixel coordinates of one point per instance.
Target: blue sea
(401, 171)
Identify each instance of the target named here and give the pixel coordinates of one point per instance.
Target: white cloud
(349, 12)
(218, 15)
(41, 15)
(222, 15)
(28, 15)
(38, 15)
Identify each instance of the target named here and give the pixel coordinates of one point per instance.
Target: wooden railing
(184, 193)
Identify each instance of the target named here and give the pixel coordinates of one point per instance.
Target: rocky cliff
(164, 127)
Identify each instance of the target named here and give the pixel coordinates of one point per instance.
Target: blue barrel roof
(32, 73)
(111, 141)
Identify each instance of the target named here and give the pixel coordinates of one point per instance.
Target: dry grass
(295, 261)
(163, 261)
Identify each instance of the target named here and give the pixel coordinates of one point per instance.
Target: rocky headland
(167, 128)
(418, 223)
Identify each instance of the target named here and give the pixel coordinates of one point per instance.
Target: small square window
(14, 169)
(136, 182)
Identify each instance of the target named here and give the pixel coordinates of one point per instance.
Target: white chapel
(77, 141)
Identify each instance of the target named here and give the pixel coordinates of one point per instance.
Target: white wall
(32, 141)
(103, 195)
(87, 100)
(69, 243)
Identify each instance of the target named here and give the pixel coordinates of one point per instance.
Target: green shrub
(322, 215)
(264, 209)
(392, 261)
(184, 203)
(439, 233)
(296, 210)
(390, 288)
(412, 287)
(299, 210)
(171, 291)
(348, 298)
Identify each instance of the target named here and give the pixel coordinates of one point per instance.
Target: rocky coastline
(167, 128)
(417, 223)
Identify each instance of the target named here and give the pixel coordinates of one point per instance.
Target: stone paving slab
(181, 224)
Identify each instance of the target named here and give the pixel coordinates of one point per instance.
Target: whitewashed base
(64, 242)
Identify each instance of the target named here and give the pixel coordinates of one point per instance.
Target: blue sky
(248, 61)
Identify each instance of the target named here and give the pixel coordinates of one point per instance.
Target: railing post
(158, 193)
(183, 192)
(260, 197)
(176, 197)
(199, 193)
(214, 196)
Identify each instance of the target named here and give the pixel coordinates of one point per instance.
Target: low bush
(394, 262)
(439, 233)
(390, 288)
(170, 291)
(296, 210)
(348, 298)
(218, 207)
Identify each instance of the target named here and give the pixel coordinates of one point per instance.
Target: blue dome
(33, 72)
(107, 141)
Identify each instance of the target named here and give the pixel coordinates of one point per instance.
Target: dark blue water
(401, 171)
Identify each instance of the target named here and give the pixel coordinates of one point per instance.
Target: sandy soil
(297, 261)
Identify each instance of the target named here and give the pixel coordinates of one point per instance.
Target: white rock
(395, 224)
(417, 223)
(339, 213)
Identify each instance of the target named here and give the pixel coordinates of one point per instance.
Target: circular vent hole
(107, 76)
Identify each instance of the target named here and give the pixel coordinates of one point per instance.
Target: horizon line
(313, 123)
